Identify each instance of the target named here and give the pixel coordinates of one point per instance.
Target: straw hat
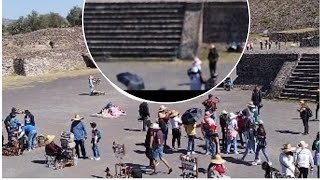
(162, 108)
(174, 113)
(217, 159)
(155, 126)
(303, 144)
(287, 148)
(196, 61)
(224, 112)
(232, 116)
(49, 139)
(250, 104)
(77, 117)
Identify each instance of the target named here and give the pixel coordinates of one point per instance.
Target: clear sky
(13, 9)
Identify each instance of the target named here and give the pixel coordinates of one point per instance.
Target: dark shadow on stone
(135, 130)
(39, 161)
(144, 169)
(139, 144)
(139, 152)
(236, 161)
(184, 84)
(296, 118)
(88, 61)
(202, 170)
(287, 132)
(84, 94)
(314, 120)
(94, 176)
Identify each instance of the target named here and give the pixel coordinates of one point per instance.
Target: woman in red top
(51, 148)
(216, 167)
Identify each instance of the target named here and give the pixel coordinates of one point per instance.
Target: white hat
(196, 61)
(224, 112)
(288, 148)
(250, 104)
(303, 144)
(162, 108)
(232, 116)
(260, 121)
(49, 139)
(155, 126)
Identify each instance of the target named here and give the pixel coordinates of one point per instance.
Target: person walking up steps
(96, 137)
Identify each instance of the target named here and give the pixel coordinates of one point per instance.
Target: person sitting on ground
(51, 148)
(304, 159)
(227, 84)
(216, 169)
(29, 118)
(286, 160)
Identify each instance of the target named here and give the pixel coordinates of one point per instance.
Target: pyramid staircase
(304, 79)
(133, 30)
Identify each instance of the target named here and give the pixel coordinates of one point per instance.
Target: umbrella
(191, 116)
(132, 81)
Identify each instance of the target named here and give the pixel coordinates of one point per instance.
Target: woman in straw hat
(80, 134)
(304, 159)
(216, 167)
(51, 148)
(163, 119)
(208, 128)
(261, 144)
(286, 160)
(176, 123)
(305, 114)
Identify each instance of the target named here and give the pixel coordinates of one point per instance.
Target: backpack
(309, 112)
(99, 134)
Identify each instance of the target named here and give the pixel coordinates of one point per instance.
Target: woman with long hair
(261, 144)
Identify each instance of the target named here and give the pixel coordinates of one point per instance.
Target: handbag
(296, 171)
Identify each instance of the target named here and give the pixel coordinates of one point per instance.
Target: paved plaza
(55, 103)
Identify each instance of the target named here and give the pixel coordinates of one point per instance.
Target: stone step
(148, 54)
(306, 78)
(134, 43)
(136, 11)
(309, 59)
(313, 66)
(133, 37)
(316, 56)
(293, 96)
(105, 6)
(303, 82)
(307, 70)
(308, 63)
(300, 86)
(135, 26)
(304, 74)
(132, 48)
(133, 32)
(131, 21)
(300, 91)
(94, 15)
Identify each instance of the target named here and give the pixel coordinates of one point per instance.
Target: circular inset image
(166, 50)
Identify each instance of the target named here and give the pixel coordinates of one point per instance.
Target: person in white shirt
(175, 122)
(286, 160)
(304, 159)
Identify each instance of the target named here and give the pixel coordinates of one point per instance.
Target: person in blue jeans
(261, 144)
(31, 132)
(96, 136)
(251, 141)
(232, 127)
(80, 135)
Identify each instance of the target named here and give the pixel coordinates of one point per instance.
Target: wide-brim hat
(162, 108)
(250, 104)
(303, 144)
(77, 117)
(224, 112)
(217, 159)
(155, 126)
(49, 139)
(232, 116)
(174, 113)
(287, 148)
(196, 61)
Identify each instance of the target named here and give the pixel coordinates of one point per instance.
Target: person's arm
(21, 134)
(96, 136)
(84, 130)
(151, 140)
(311, 159)
(71, 128)
(32, 120)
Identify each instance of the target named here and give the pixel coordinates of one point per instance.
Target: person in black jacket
(256, 98)
(144, 114)
(213, 58)
(29, 118)
(304, 111)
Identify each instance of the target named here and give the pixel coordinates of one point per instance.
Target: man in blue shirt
(80, 135)
(31, 132)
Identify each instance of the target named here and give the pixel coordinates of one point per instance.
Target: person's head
(212, 48)
(217, 159)
(302, 144)
(91, 77)
(93, 125)
(288, 149)
(27, 111)
(49, 139)
(224, 113)
(210, 96)
(232, 116)
(207, 116)
(251, 105)
(256, 88)
(77, 117)
(196, 61)
(174, 113)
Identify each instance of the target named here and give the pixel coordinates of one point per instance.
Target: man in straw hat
(304, 159)
(286, 160)
(208, 128)
(80, 135)
(216, 167)
(176, 123)
(163, 119)
(213, 58)
(157, 143)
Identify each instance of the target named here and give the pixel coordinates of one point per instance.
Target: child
(96, 136)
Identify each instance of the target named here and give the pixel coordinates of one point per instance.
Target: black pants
(83, 150)
(144, 124)
(176, 136)
(149, 155)
(305, 122)
(241, 138)
(303, 172)
(224, 141)
(212, 68)
(317, 110)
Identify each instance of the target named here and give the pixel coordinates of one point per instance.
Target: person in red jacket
(210, 105)
(208, 128)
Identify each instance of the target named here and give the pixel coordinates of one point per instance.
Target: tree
(55, 20)
(32, 21)
(17, 27)
(75, 16)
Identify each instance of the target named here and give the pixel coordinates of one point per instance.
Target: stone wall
(267, 70)
(225, 22)
(294, 36)
(310, 41)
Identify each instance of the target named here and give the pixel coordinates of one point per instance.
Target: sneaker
(29, 149)
(188, 153)
(270, 163)
(254, 163)
(92, 158)
(236, 152)
(208, 153)
(98, 158)
(193, 152)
